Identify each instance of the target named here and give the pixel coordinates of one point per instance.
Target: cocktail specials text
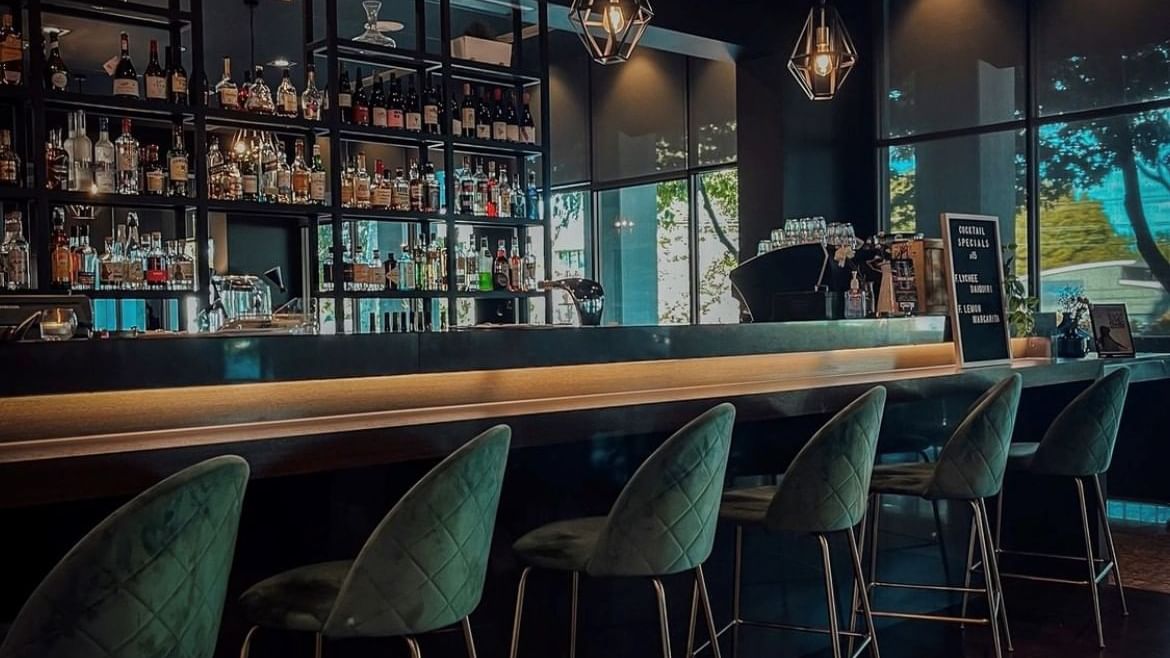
(975, 237)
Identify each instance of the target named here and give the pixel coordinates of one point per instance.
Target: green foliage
(1076, 231)
(1022, 308)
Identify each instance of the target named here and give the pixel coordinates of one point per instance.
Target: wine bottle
(56, 73)
(125, 77)
(154, 76)
(177, 77)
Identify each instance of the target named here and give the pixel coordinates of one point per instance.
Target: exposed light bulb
(823, 64)
(613, 18)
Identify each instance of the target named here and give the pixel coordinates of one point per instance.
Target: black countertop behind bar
(121, 364)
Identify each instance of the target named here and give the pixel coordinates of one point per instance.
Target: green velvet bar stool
(421, 570)
(970, 468)
(1079, 446)
(822, 493)
(148, 581)
(663, 523)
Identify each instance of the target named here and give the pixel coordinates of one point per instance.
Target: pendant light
(610, 29)
(824, 53)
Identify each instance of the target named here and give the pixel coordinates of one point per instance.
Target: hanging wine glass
(372, 34)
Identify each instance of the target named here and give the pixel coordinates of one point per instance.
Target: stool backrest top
(1080, 442)
(826, 486)
(423, 567)
(972, 463)
(663, 522)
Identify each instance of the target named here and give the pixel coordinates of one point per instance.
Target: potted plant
(1072, 340)
(1022, 308)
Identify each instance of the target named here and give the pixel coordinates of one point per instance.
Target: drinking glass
(372, 35)
(58, 324)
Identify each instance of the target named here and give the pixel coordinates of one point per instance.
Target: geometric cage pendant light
(610, 29)
(824, 54)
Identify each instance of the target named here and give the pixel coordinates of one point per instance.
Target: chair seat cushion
(901, 479)
(1020, 456)
(563, 545)
(296, 600)
(747, 506)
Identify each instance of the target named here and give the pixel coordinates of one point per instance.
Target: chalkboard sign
(977, 303)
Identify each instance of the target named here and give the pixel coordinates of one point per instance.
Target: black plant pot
(1072, 346)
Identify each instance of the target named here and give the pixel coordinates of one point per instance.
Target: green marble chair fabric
(662, 523)
(148, 582)
(422, 569)
(1080, 442)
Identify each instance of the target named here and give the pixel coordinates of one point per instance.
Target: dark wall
(799, 157)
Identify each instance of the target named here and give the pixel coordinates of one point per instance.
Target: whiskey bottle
(86, 261)
(134, 255)
(245, 91)
(395, 108)
(317, 178)
(260, 95)
(10, 170)
(347, 174)
(250, 175)
(286, 96)
(56, 163)
(460, 267)
(156, 266)
(154, 173)
(381, 194)
(401, 191)
(361, 183)
(14, 254)
(225, 90)
(104, 160)
(11, 52)
(217, 183)
(416, 188)
(301, 174)
(56, 72)
(284, 184)
(125, 77)
(500, 276)
(177, 164)
(154, 76)
(177, 77)
(311, 96)
(269, 171)
(60, 255)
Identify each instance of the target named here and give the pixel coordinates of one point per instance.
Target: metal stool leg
(663, 621)
(1090, 561)
(1103, 506)
(694, 617)
(873, 549)
(984, 542)
(576, 587)
(942, 542)
(736, 591)
(515, 648)
(705, 599)
(830, 597)
(858, 584)
(992, 571)
(859, 581)
(969, 568)
(246, 647)
(468, 638)
(412, 644)
(319, 646)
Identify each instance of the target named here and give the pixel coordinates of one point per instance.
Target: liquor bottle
(485, 266)
(134, 253)
(471, 264)
(284, 176)
(269, 172)
(317, 178)
(390, 267)
(468, 114)
(466, 182)
(455, 117)
(11, 52)
(511, 118)
(155, 272)
(205, 89)
(519, 200)
(226, 90)
(421, 263)
(67, 144)
(529, 279)
(109, 278)
(233, 178)
(345, 98)
(56, 163)
(406, 265)
(395, 109)
(534, 199)
(382, 193)
(260, 97)
(177, 77)
(378, 103)
(104, 160)
(86, 265)
(515, 266)
(500, 268)
(504, 194)
(311, 96)
(125, 77)
(481, 189)
(14, 253)
(492, 204)
(156, 175)
(361, 102)
(375, 275)
(361, 183)
(301, 174)
(245, 91)
(286, 96)
(413, 109)
(416, 188)
(401, 191)
(56, 72)
(527, 125)
(60, 255)
(430, 108)
(154, 77)
(347, 185)
(10, 169)
(177, 164)
(217, 183)
(499, 118)
(432, 198)
(483, 117)
(250, 175)
(82, 176)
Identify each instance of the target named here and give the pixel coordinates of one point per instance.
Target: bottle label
(344, 100)
(395, 119)
(456, 127)
(528, 134)
(513, 133)
(381, 197)
(251, 185)
(59, 80)
(413, 121)
(431, 115)
(179, 83)
(156, 274)
(113, 273)
(288, 103)
(156, 87)
(154, 181)
(11, 76)
(62, 266)
(17, 268)
(229, 98)
(483, 131)
(126, 87)
(361, 114)
(178, 168)
(8, 171)
(12, 50)
(361, 191)
(379, 114)
(468, 117)
(104, 178)
(134, 273)
(283, 181)
(300, 184)
(499, 131)
(317, 186)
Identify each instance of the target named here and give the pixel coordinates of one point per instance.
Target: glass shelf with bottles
(120, 172)
(418, 269)
(486, 118)
(255, 173)
(158, 91)
(252, 102)
(488, 194)
(504, 273)
(381, 107)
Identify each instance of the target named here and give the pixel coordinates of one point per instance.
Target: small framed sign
(1111, 331)
(977, 302)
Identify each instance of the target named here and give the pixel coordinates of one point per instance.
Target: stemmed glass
(372, 34)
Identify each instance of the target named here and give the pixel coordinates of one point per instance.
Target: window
(717, 201)
(645, 259)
